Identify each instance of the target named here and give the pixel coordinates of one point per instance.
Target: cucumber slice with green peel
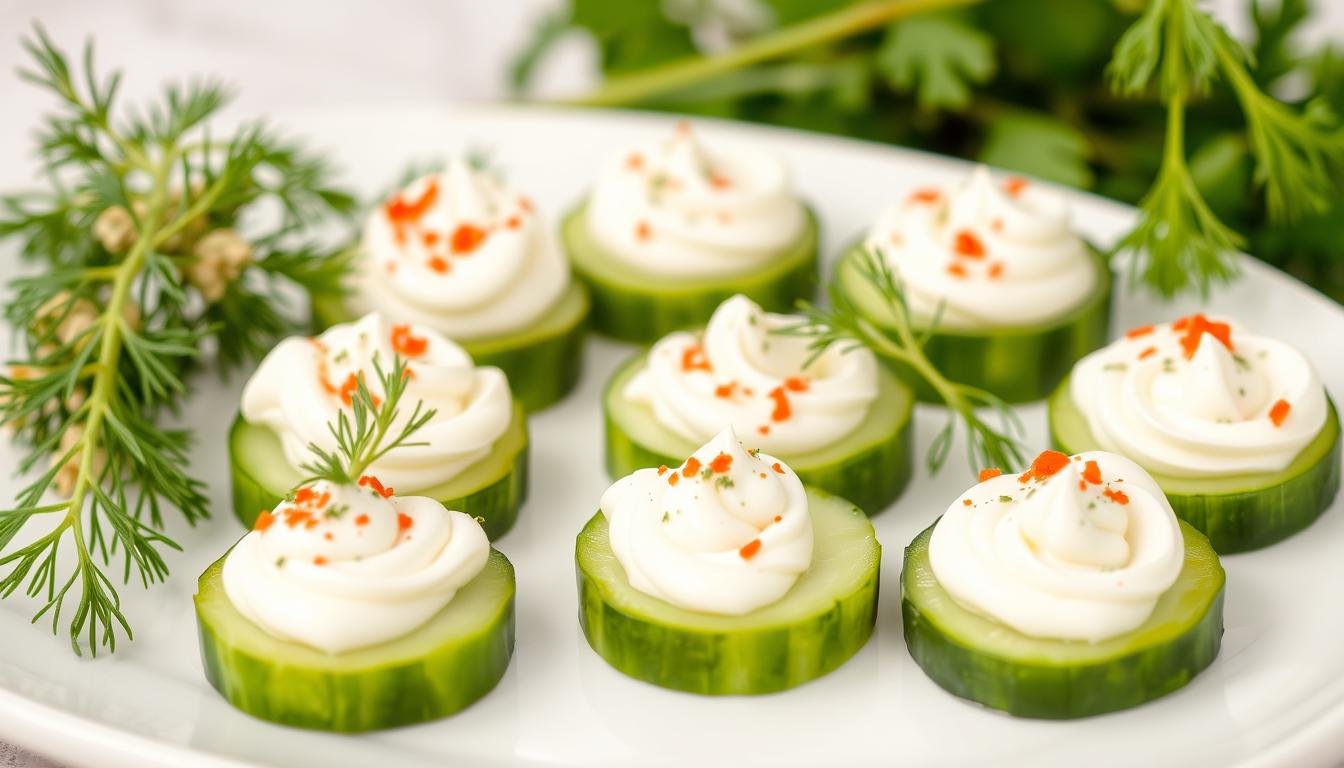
(817, 626)
(634, 305)
(439, 668)
(869, 467)
(542, 361)
(492, 489)
(1238, 513)
(980, 659)
(1018, 364)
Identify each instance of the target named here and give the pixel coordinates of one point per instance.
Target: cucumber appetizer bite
(724, 575)
(838, 419)
(1236, 428)
(673, 227)
(1013, 296)
(464, 254)
(471, 456)
(350, 608)
(1069, 590)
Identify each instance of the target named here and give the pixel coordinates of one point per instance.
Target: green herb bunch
(140, 264)
(1146, 101)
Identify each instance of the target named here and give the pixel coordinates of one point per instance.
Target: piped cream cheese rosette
(675, 225)
(464, 253)
(1235, 427)
(723, 574)
(467, 456)
(838, 418)
(1067, 590)
(1013, 294)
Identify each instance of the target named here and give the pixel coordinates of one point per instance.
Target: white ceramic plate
(1274, 697)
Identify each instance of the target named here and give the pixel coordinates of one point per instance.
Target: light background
(288, 54)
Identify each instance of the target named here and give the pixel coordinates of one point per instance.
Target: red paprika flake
(693, 358)
(989, 472)
(966, 502)
(634, 161)
(1014, 185)
(405, 343)
(264, 520)
(725, 390)
(750, 549)
(1279, 412)
(721, 464)
(467, 238)
(362, 520)
(691, 466)
(400, 210)
(782, 409)
(642, 230)
(1195, 326)
(513, 222)
(1119, 497)
(1046, 464)
(377, 485)
(779, 470)
(764, 429)
(673, 478)
(1142, 330)
(438, 264)
(404, 521)
(926, 195)
(1092, 472)
(719, 182)
(796, 384)
(319, 560)
(967, 243)
(995, 270)
(1147, 353)
(956, 270)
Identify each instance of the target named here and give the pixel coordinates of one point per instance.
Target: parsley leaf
(938, 56)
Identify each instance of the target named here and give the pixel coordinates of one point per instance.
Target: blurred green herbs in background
(1147, 102)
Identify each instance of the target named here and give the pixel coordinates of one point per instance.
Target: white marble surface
(310, 52)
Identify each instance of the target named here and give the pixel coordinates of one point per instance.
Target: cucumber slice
(440, 668)
(642, 307)
(492, 489)
(542, 361)
(980, 659)
(869, 467)
(1018, 364)
(1237, 512)
(825, 619)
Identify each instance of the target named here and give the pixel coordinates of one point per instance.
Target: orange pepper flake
(438, 264)
(725, 390)
(662, 469)
(721, 464)
(719, 182)
(362, 520)
(968, 244)
(1195, 326)
(926, 195)
(796, 384)
(1142, 330)
(377, 485)
(1047, 463)
(989, 472)
(1279, 412)
(406, 343)
(1147, 353)
(304, 495)
(319, 560)
(996, 270)
(513, 222)
(1014, 185)
(404, 521)
(642, 230)
(966, 502)
(779, 470)
(779, 518)
(328, 536)
(691, 467)
(264, 520)
(430, 238)
(349, 387)
(293, 517)
(1092, 472)
(956, 270)
(673, 478)
(693, 358)
(749, 551)
(1118, 497)
(402, 211)
(467, 238)
(764, 429)
(634, 161)
(782, 410)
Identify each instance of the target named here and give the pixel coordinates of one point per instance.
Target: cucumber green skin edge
(643, 308)
(770, 659)
(541, 369)
(1017, 364)
(496, 504)
(379, 695)
(1238, 514)
(872, 477)
(1039, 689)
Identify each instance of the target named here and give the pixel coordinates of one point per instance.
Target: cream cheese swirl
(678, 208)
(1200, 397)
(739, 373)
(461, 252)
(991, 254)
(1076, 548)
(340, 567)
(303, 383)
(727, 532)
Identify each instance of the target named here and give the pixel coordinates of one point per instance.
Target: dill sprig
(895, 338)
(370, 429)
(139, 271)
(1299, 154)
